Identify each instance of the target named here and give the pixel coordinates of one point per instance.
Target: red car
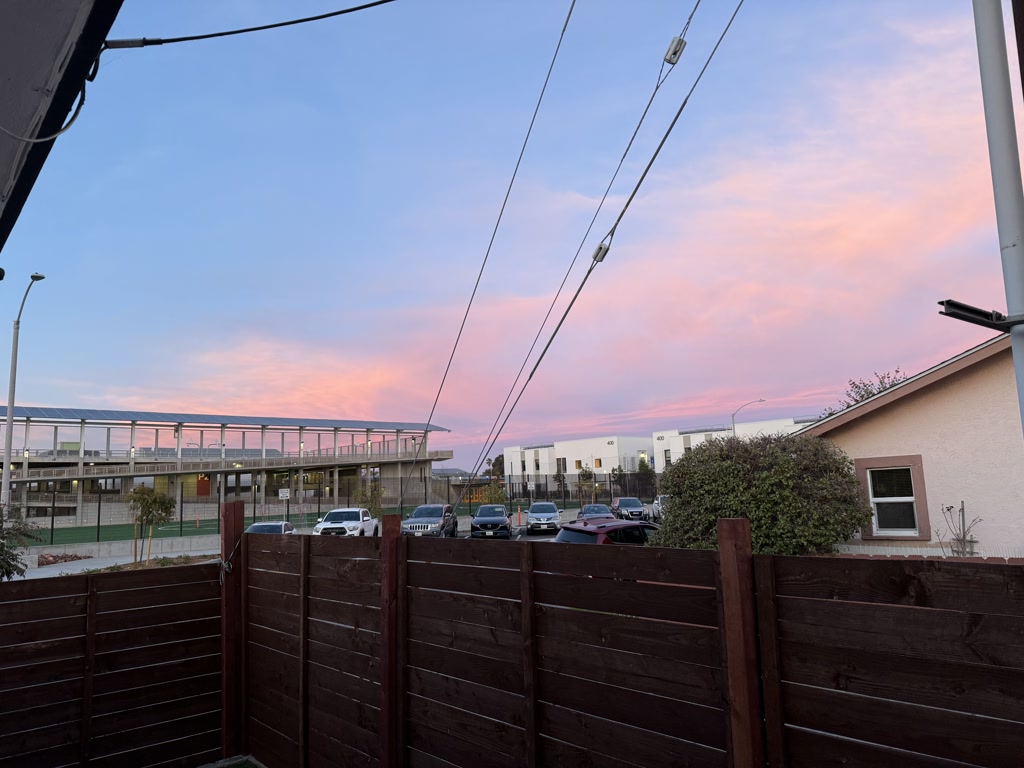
(606, 532)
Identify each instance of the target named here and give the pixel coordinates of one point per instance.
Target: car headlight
(317, 529)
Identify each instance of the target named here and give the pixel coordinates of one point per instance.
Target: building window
(668, 457)
(597, 463)
(560, 465)
(895, 489)
(536, 465)
(523, 466)
(579, 464)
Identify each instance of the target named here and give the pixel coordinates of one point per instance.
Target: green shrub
(800, 493)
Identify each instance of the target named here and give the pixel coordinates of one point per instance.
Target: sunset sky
(290, 223)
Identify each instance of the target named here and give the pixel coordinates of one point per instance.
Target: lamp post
(761, 400)
(5, 491)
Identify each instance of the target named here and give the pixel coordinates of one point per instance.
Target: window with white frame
(891, 492)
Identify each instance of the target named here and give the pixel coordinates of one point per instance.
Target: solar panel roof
(87, 414)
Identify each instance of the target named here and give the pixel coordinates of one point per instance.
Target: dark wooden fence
(114, 669)
(479, 653)
(892, 662)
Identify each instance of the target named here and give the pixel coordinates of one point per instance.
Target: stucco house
(948, 435)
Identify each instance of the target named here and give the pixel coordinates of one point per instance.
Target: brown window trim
(924, 528)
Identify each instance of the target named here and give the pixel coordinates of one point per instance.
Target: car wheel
(362, 531)
(376, 531)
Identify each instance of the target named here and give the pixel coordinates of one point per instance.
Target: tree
(645, 478)
(496, 466)
(585, 485)
(862, 389)
(800, 493)
(619, 478)
(16, 534)
(150, 507)
(493, 493)
(371, 497)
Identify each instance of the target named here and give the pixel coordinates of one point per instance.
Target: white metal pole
(1004, 159)
(5, 495)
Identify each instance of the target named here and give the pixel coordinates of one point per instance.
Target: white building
(670, 444)
(601, 454)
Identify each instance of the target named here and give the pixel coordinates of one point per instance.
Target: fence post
(739, 643)
(232, 635)
(391, 728)
(303, 653)
(99, 508)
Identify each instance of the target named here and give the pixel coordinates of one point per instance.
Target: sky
(290, 223)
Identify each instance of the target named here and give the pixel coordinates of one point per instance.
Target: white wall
(680, 441)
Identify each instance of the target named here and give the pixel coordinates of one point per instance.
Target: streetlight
(5, 491)
(740, 409)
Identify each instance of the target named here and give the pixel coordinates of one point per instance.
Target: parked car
(629, 508)
(595, 512)
(351, 521)
(431, 520)
(271, 526)
(606, 532)
(490, 521)
(542, 516)
(658, 508)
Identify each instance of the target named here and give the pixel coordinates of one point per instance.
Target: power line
(494, 233)
(662, 77)
(605, 244)
(144, 42)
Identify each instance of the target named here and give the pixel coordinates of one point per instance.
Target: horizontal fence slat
(42, 609)
(482, 553)
(623, 742)
(55, 757)
(489, 735)
(148, 597)
(287, 583)
(157, 577)
(282, 642)
(44, 652)
(975, 688)
(326, 751)
(684, 642)
(184, 687)
(470, 609)
(158, 615)
(270, 747)
(348, 547)
(489, 702)
(141, 657)
(661, 676)
(490, 582)
(21, 745)
(276, 620)
(164, 671)
(357, 713)
(275, 601)
(326, 721)
(351, 614)
(351, 663)
(282, 712)
(39, 695)
(363, 593)
(692, 605)
(36, 631)
(273, 561)
(145, 716)
(447, 744)
(356, 688)
(808, 749)
(166, 633)
(680, 719)
(344, 637)
(471, 638)
(926, 730)
(272, 673)
(906, 630)
(557, 753)
(945, 584)
(466, 666)
(344, 570)
(36, 589)
(29, 719)
(673, 566)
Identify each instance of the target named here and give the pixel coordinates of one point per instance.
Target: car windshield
(572, 536)
(265, 528)
(491, 510)
(630, 503)
(432, 510)
(591, 510)
(544, 509)
(342, 516)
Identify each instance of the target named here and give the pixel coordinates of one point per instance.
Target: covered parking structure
(65, 460)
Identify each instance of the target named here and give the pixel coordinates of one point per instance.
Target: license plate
(419, 533)
(490, 533)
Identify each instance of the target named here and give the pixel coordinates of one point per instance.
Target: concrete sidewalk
(91, 563)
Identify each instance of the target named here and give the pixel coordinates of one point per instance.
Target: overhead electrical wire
(144, 42)
(490, 244)
(605, 243)
(662, 77)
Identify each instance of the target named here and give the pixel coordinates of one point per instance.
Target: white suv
(659, 506)
(352, 521)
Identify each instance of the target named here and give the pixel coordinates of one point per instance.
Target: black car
(431, 520)
(491, 521)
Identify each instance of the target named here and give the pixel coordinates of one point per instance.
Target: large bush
(800, 494)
